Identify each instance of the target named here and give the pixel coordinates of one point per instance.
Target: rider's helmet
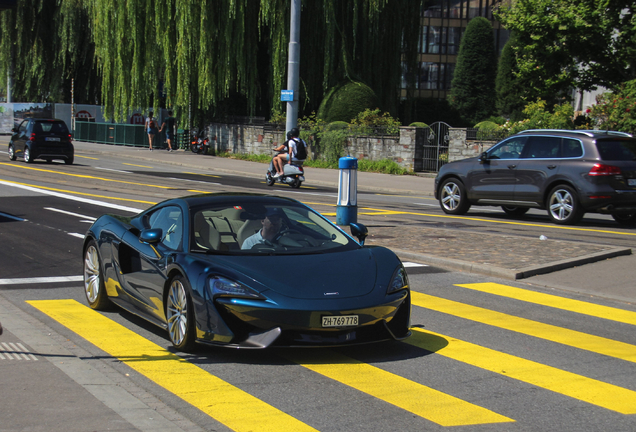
(294, 132)
(289, 135)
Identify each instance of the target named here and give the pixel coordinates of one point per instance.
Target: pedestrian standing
(169, 125)
(151, 128)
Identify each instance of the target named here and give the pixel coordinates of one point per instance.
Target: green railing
(119, 134)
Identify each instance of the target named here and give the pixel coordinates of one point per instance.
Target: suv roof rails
(587, 132)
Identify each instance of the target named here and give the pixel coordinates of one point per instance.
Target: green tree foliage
(344, 102)
(616, 110)
(510, 93)
(45, 44)
(571, 44)
(218, 56)
(473, 87)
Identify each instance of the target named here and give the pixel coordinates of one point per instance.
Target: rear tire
(563, 206)
(625, 219)
(27, 155)
(452, 197)
(515, 211)
(295, 183)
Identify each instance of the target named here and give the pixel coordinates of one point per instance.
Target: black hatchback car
(565, 172)
(46, 139)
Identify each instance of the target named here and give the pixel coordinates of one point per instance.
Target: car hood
(315, 276)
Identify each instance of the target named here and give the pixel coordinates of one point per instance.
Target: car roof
(229, 197)
(578, 132)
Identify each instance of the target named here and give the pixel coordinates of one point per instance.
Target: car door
(145, 276)
(20, 138)
(539, 163)
(494, 178)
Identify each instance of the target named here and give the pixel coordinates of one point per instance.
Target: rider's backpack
(301, 149)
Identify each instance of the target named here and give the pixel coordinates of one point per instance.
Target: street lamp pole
(293, 65)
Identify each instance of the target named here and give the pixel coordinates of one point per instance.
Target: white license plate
(51, 139)
(340, 321)
(631, 182)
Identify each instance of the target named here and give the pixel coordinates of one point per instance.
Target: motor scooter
(293, 174)
(199, 144)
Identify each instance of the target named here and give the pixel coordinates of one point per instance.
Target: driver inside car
(272, 224)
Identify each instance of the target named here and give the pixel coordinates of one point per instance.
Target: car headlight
(220, 286)
(399, 281)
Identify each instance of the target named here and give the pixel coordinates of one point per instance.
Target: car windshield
(617, 150)
(255, 229)
(51, 127)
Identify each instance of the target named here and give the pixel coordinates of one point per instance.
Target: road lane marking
(78, 235)
(56, 192)
(85, 157)
(40, 280)
(220, 400)
(431, 404)
(408, 264)
(589, 390)
(140, 166)
(200, 174)
(115, 170)
(69, 213)
(578, 306)
(572, 338)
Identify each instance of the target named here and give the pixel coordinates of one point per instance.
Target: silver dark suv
(566, 172)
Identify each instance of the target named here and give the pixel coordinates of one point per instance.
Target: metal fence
(120, 134)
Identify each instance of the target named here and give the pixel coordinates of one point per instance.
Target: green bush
(616, 110)
(418, 125)
(369, 121)
(344, 102)
(332, 143)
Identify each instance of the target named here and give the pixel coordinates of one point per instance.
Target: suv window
(623, 150)
(572, 148)
(509, 149)
(542, 147)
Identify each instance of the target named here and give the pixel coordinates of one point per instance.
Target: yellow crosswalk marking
(418, 399)
(528, 327)
(222, 401)
(585, 308)
(569, 384)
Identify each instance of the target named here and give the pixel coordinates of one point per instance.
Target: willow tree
(45, 44)
(210, 54)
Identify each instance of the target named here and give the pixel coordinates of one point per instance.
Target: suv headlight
(220, 286)
(399, 281)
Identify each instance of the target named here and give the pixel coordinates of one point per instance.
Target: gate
(432, 147)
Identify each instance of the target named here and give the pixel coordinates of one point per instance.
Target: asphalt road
(488, 354)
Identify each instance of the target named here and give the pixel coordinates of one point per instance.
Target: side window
(509, 149)
(572, 148)
(23, 126)
(170, 221)
(541, 147)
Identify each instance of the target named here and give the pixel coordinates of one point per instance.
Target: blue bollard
(347, 208)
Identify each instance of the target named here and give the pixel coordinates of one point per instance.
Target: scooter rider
(292, 143)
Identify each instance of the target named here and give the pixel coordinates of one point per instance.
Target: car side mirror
(15, 129)
(359, 231)
(151, 236)
(483, 157)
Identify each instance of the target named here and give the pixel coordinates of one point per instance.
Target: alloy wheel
(177, 312)
(92, 274)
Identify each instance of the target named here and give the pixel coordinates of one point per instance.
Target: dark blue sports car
(246, 271)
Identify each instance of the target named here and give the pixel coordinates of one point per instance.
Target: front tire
(269, 179)
(12, 155)
(452, 197)
(180, 315)
(69, 161)
(563, 206)
(94, 287)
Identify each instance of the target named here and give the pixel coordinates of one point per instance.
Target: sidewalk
(571, 266)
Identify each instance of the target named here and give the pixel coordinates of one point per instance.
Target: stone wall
(261, 139)
(459, 147)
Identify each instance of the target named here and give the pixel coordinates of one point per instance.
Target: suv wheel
(452, 197)
(563, 206)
